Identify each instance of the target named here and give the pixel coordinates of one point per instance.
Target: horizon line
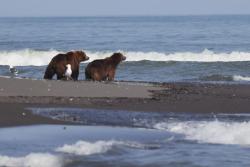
(170, 15)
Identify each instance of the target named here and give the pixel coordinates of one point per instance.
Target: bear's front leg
(111, 75)
(75, 75)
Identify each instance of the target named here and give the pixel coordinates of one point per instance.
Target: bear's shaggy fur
(58, 64)
(104, 69)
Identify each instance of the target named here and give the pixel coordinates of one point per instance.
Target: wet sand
(17, 115)
(16, 95)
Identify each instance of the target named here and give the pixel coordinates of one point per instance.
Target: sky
(36, 8)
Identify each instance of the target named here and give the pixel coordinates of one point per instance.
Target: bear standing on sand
(104, 69)
(58, 64)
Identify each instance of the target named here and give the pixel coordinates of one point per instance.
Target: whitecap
(241, 78)
(32, 160)
(215, 132)
(83, 148)
(87, 148)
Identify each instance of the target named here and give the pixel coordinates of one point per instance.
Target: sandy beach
(16, 95)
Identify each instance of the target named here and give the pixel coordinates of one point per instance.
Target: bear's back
(68, 58)
(97, 63)
(59, 57)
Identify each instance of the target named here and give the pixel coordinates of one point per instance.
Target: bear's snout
(86, 58)
(123, 58)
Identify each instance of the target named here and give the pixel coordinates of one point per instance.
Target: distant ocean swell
(28, 57)
(225, 78)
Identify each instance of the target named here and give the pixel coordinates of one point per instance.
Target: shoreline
(16, 95)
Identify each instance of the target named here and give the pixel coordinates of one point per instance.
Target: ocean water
(127, 139)
(161, 49)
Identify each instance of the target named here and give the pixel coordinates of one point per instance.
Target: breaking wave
(87, 148)
(32, 160)
(99, 147)
(26, 57)
(215, 132)
(80, 148)
(241, 78)
(38, 58)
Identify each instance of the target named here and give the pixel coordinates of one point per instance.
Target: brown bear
(58, 64)
(103, 69)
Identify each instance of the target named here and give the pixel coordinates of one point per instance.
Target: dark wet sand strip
(16, 95)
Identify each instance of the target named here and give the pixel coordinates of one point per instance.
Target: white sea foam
(87, 148)
(99, 147)
(38, 58)
(205, 56)
(211, 132)
(32, 160)
(241, 78)
(26, 57)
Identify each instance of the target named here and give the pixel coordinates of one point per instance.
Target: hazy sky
(121, 7)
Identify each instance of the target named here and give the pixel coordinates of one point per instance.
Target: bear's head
(118, 57)
(81, 56)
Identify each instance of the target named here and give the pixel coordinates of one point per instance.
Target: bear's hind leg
(49, 73)
(96, 77)
(60, 76)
